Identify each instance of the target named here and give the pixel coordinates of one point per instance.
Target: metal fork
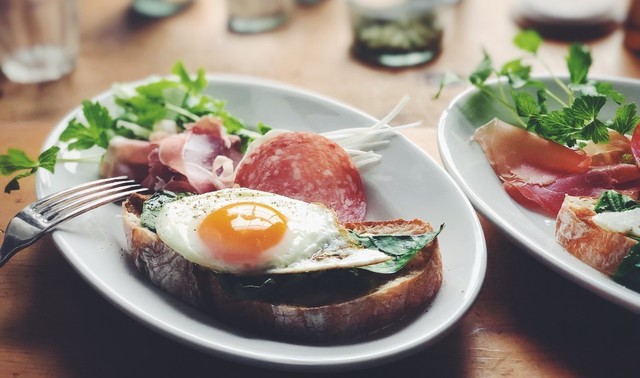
(43, 215)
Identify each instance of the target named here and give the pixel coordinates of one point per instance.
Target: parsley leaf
(625, 119)
(482, 72)
(528, 40)
(96, 131)
(17, 161)
(578, 63)
(567, 112)
(139, 110)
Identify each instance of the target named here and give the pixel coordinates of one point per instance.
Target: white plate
(407, 183)
(466, 162)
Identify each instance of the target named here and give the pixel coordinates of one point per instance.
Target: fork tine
(84, 205)
(52, 208)
(64, 194)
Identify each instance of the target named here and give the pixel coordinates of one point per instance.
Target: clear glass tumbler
(257, 16)
(38, 39)
(160, 8)
(396, 33)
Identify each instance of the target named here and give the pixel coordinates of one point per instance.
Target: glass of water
(38, 39)
(257, 16)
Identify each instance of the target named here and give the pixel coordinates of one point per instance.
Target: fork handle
(20, 234)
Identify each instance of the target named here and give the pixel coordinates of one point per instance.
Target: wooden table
(527, 320)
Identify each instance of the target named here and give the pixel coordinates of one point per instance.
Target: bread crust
(393, 298)
(580, 236)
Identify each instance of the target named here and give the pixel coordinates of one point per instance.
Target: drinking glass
(38, 39)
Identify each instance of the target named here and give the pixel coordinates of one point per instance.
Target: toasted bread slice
(580, 236)
(315, 313)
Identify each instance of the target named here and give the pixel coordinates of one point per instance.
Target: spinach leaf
(612, 201)
(401, 247)
(151, 207)
(628, 273)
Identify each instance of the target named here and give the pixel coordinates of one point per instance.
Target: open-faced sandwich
(282, 267)
(603, 232)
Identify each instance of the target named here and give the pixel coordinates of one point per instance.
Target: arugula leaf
(16, 160)
(612, 201)
(401, 247)
(195, 85)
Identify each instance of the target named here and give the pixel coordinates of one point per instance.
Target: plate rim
(367, 359)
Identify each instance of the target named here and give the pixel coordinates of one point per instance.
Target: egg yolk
(240, 232)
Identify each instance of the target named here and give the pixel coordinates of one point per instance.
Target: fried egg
(245, 231)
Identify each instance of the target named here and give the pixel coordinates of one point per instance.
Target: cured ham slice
(635, 145)
(617, 150)
(199, 160)
(624, 178)
(517, 154)
(308, 167)
(538, 173)
(127, 157)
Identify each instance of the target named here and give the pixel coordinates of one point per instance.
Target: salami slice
(308, 167)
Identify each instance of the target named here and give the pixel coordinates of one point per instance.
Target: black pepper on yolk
(239, 233)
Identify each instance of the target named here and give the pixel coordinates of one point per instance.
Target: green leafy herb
(139, 110)
(16, 161)
(152, 206)
(401, 247)
(612, 201)
(96, 131)
(628, 272)
(575, 117)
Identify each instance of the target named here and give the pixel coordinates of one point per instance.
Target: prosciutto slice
(517, 154)
(127, 157)
(538, 173)
(199, 160)
(624, 178)
(635, 145)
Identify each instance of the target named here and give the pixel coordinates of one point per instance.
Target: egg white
(314, 240)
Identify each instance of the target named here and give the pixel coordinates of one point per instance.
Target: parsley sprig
(16, 161)
(577, 105)
(139, 110)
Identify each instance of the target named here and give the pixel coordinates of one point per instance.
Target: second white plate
(466, 162)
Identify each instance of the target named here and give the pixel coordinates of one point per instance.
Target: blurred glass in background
(257, 16)
(396, 33)
(570, 20)
(159, 8)
(38, 39)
